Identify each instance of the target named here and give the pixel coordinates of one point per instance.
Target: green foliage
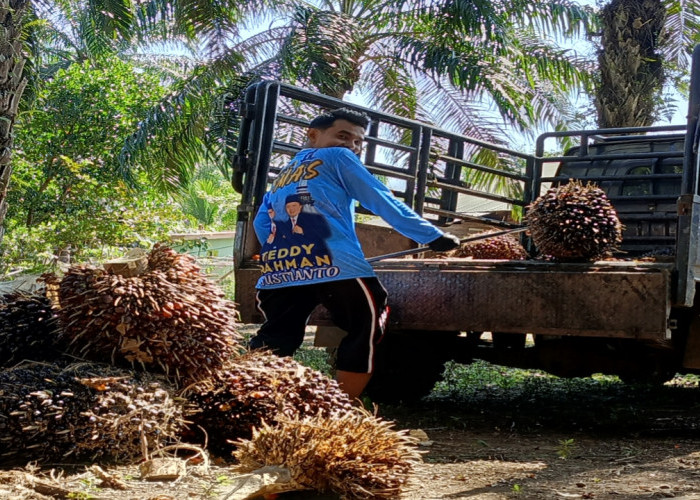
(79, 119)
(98, 223)
(210, 200)
(313, 357)
(481, 380)
(189, 126)
(66, 191)
(84, 113)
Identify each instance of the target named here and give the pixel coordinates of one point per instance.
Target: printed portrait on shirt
(297, 241)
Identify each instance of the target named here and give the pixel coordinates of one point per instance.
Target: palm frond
(554, 17)
(263, 46)
(112, 18)
(171, 140)
(393, 89)
(460, 112)
(681, 31)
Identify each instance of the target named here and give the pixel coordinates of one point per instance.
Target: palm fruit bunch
(355, 455)
(170, 319)
(259, 386)
(505, 247)
(28, 329)
(574, 222)
(85, 411)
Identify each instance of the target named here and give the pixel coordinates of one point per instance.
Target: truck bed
(606, 298)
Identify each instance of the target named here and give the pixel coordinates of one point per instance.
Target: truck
(635, 315)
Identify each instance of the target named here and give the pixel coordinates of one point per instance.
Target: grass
(481, 380)
(483, 393)
(313, 357)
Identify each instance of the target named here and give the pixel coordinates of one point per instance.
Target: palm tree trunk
(631, 67)
(12, 85)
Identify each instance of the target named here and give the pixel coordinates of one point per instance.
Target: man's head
(341, 127)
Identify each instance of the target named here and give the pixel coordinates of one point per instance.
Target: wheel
(408, 364)
(656, 364)
(634, 361)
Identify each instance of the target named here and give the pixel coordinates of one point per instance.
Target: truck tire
(408, 364)
(633, 361)
(658, 363)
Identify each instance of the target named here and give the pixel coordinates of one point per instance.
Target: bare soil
(598, 442)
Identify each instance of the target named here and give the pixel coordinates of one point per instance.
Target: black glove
(444, 243)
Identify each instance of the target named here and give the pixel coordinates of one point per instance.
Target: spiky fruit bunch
(179, 265)
(574, 222)
(506, 247)
(260, 386)
(28, 329)
(84, 411)
(173, 320)
(355, 454)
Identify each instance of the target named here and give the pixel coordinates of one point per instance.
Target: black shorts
(357, 306)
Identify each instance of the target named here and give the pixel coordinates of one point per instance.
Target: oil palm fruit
(574, 222)
(170, 319)
(505, 247)
(28, 329)
(83, 411)
(355, 455)
(260, 386)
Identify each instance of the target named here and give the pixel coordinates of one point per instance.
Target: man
(297, 276)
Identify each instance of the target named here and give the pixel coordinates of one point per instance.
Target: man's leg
(352, 383)
(357, 306)
(286, 312)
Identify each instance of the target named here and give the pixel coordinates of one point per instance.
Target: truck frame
(635, 316)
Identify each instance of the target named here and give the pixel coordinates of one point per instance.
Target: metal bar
(489, 170)
(637, 177)
(267, 139)
(616, 156)
(478, 194)
(690, 166)
(371, 149)
(423, 136)
(414, 194)
(614, 131)
(453, 171)
(426, 248)
(469, 217)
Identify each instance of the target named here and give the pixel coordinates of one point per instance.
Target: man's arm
(375, 196)
(262, 223)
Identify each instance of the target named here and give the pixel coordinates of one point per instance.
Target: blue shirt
(306, 221)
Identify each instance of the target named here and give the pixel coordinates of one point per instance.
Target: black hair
(327, 119)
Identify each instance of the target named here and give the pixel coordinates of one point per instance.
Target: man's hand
(444, 243)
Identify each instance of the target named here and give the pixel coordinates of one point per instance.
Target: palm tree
(449, 52)
(642, 44)
(468, 66)
(12, 84)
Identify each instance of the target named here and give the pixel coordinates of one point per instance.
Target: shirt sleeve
(378, 198)
(262, 223)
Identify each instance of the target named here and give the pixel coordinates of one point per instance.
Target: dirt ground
(618, 443)
(505, 455)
